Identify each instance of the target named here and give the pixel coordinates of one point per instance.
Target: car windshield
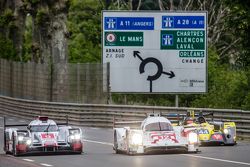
(159, 126)
(43, 128)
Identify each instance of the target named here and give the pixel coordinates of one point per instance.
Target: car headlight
(226, 131)
(75, 137)
(136, 139)
(192, 137)
(20, 138)
(28, 142)
(72, 137)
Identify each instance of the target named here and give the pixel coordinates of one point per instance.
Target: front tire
(14, 152)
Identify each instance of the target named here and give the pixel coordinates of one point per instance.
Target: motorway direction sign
(155, 52)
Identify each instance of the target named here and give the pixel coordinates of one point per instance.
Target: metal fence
(97, 115)
(74, 83)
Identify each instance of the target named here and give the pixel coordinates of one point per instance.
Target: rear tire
(115, 143)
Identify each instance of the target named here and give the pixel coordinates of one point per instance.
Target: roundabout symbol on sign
(159, 72)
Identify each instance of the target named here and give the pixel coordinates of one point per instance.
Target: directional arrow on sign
(171, 74)
(136, 54)
(160, 71)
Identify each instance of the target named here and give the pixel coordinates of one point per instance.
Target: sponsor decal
(159, 136)
(192, 82)
(217, 137)
(47, 136)
(196, 83)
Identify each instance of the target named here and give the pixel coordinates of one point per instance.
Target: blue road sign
(110, 23)
(183, 22)
(167, 40)
(129, 23)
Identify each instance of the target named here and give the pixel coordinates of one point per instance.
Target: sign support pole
(176, 101)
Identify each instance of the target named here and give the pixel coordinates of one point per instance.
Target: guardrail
(96, 115)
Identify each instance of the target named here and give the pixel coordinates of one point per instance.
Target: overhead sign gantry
(155, 52)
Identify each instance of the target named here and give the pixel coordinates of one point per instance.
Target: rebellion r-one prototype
(210, 132)
(42, 135)
(155, 134)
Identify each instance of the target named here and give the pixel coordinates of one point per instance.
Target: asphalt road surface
(98, 153)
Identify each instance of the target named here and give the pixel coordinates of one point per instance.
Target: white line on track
(195, 156)
(216, 159)
(21, 121)
(45, 164)
(10, 119)
(29, 160)
(98, 142)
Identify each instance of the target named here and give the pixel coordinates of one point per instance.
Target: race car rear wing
(13, 125)
(4, 124)
(175, 118)
(66, 123)
(134, 123)
(178, 118)
(188, 114)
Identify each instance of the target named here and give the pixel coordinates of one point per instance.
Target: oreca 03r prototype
(42, 135)
(155, 134)
(212, 132)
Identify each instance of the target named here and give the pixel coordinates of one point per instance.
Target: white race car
(42, 135)
(156, 134)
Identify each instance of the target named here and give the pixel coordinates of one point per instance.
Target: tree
(239, 23)
(85, 31)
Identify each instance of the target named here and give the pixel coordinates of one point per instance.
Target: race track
(98, 153)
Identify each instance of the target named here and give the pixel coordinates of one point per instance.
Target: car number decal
(203, 131)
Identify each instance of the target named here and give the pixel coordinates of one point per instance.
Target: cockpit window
(201, 120)
(159, 126)
(43, 128)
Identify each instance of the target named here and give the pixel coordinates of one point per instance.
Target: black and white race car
(42, 135)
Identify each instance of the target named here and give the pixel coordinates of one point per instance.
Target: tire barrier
(99, 115)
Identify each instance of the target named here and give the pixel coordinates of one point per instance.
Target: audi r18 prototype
(42, 135)
(155, 134)
(210, 132)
